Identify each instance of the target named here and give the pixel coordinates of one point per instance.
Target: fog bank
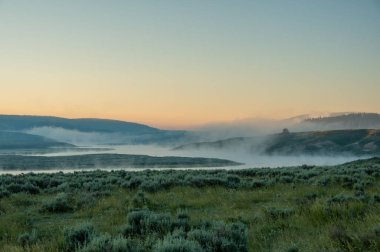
(250, 160)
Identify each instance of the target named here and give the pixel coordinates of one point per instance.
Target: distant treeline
(351, 120)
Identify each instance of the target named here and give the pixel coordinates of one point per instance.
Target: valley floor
(286, 209)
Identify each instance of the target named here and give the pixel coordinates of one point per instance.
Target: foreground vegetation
(303, 208)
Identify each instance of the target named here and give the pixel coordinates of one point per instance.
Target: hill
(257, 126)
(341, 121)
(19, 123)
(87, 131)
(17, 140)
(336, 142)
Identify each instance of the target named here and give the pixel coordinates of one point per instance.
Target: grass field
(286, 209)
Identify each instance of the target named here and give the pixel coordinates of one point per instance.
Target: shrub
(59, 204)
(233, 181)
(101, 243)
(86, 200)
(358, 186)
(120, 244)
(105, 243)
(341, 198)
(150, 186)
(221, 237)
(344, 199)
(14, 188)
(174, 244)
(4, 193)
(203, 237)
(30, 188)
(286, 179)
(78, 236)
(145, 222)
(376, 198)
(182, 222)
(132, 183)
(257, 183)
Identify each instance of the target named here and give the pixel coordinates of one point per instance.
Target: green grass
(280, 216)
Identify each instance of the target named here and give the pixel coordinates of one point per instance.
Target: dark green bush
(258, 183)
(59, 204)
(175, 244)
(14, 188)
(233, 181)
(146, 222)
(341, 198)
(85, 201)
(220, 236)
(132, 183)
(286, 179)
(376, 198)
(4, 193)
(105, 243)
(30, 188)
(78, 236)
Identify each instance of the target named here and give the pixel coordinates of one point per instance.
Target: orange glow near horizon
(180, 64)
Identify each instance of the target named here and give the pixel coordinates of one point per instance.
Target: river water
(250, 160)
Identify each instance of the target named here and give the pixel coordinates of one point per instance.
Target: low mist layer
(246, 141)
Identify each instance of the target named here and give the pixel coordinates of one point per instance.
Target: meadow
(305, 208)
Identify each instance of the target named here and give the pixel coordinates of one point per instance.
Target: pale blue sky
(178, 63)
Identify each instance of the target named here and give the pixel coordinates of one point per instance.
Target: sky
(180, 63)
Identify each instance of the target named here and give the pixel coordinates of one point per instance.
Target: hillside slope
(357, 142)
(16, 122)
(17, 140)
(340, 122)
(88, 131)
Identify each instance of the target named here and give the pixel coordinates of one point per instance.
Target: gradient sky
(177, 63)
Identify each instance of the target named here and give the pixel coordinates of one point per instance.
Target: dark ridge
(18, 140)
(19, 162)
(361, 142)
(351, 120)
(24, 122)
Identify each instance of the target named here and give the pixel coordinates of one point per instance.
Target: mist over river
(249, 160)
